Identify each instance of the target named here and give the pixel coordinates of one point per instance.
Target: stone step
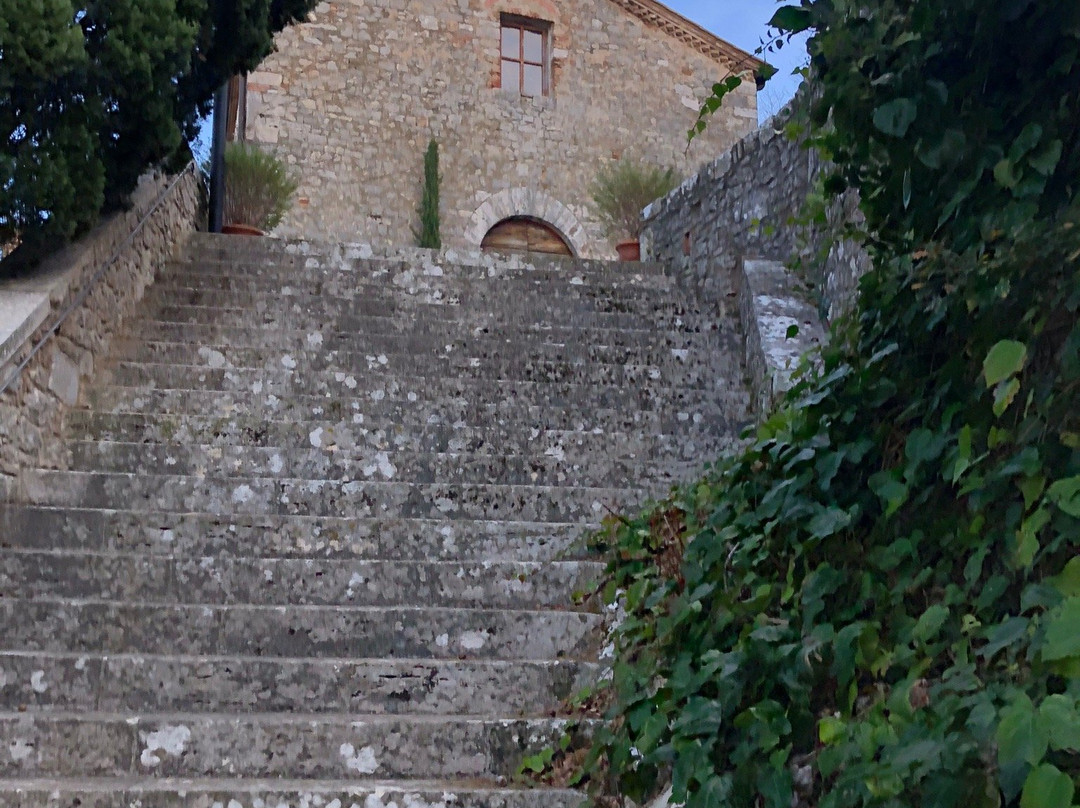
(404, 408)
(203, 247)
(308, 582)
(261, 495)
(718, 391)
(269, 745)
(380, 351)
(147, 684)
(159, 792)
(359, 436)
(560, 468)
(445, 319)
(539, 307)
(287, 536)
(405, 276)
(112, 627)
(299, 366)
(386, 336)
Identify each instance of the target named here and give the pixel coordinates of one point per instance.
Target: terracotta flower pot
(629, 250)
(241, 230)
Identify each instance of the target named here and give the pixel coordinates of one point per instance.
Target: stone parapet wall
(97, 282)
(744, 204)
(740, 204)
(352, 97)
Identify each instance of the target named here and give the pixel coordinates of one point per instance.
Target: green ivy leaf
(1063, 631)
(1005, 173)
(930, 623)
(1028, 537)
(1047, 787)
(792, 331)
(889, 490)
(1027, 140)
(829, 521)
(895, 117)
(1066, 495)
(1003, 635)
(831, 730)
(1062, 721)
(1068, 581)
(791, 19)
(1021, 736)
(1005, 359)
(1046, 160)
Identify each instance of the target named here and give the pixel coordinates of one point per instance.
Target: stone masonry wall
(352, 97)
(32, 405)
(742, 206)
(730, 227)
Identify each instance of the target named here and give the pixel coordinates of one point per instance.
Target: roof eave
(692, 34)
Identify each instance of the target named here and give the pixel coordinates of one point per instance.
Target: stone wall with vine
(761, 200)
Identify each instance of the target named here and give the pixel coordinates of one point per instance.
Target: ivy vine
(877, 601)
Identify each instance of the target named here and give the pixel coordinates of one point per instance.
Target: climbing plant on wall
(878, 600)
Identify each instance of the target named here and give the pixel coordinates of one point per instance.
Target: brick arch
(528, 202)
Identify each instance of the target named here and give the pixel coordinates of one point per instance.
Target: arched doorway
(525, 234)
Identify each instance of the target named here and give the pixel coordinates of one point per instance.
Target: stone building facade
(528, 99)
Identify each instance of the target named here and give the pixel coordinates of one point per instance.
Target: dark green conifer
(428, 235)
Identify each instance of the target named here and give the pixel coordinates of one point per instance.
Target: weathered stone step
(385, 335)
(219, 792)
(269, 745)
(541, 307)
(555, 469)
(210, 249)
(301, 365)
(362, 436)
(202, 247)
(378, 352)
(451, 319)
(110, 627)
(148, 683)
(309, 582)
(261, 495)
(405, 277)
(291, 536)
(414, 388)
(403, 408)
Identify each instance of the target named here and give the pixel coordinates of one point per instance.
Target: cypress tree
(428, 236)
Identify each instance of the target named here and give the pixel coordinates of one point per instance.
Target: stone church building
(528, 99)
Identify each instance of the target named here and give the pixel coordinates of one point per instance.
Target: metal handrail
(84, 292)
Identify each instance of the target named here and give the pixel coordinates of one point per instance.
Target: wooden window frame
(523, 25)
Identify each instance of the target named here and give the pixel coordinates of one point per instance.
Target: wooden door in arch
(527, 235)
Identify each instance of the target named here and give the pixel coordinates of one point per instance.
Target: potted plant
(620, 192)
(258, 190)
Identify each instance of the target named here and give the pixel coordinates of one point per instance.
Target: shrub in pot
(258, 189)
(620, 192)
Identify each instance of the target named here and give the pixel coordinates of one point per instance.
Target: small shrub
(622, 190)
(258, 187)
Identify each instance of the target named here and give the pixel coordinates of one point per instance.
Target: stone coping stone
(771, 309)
(174, 792)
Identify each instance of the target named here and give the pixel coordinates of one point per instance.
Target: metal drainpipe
(217, 158)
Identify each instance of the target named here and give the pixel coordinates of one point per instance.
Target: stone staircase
(318, 544)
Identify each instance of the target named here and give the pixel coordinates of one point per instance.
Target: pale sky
(743, 23)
